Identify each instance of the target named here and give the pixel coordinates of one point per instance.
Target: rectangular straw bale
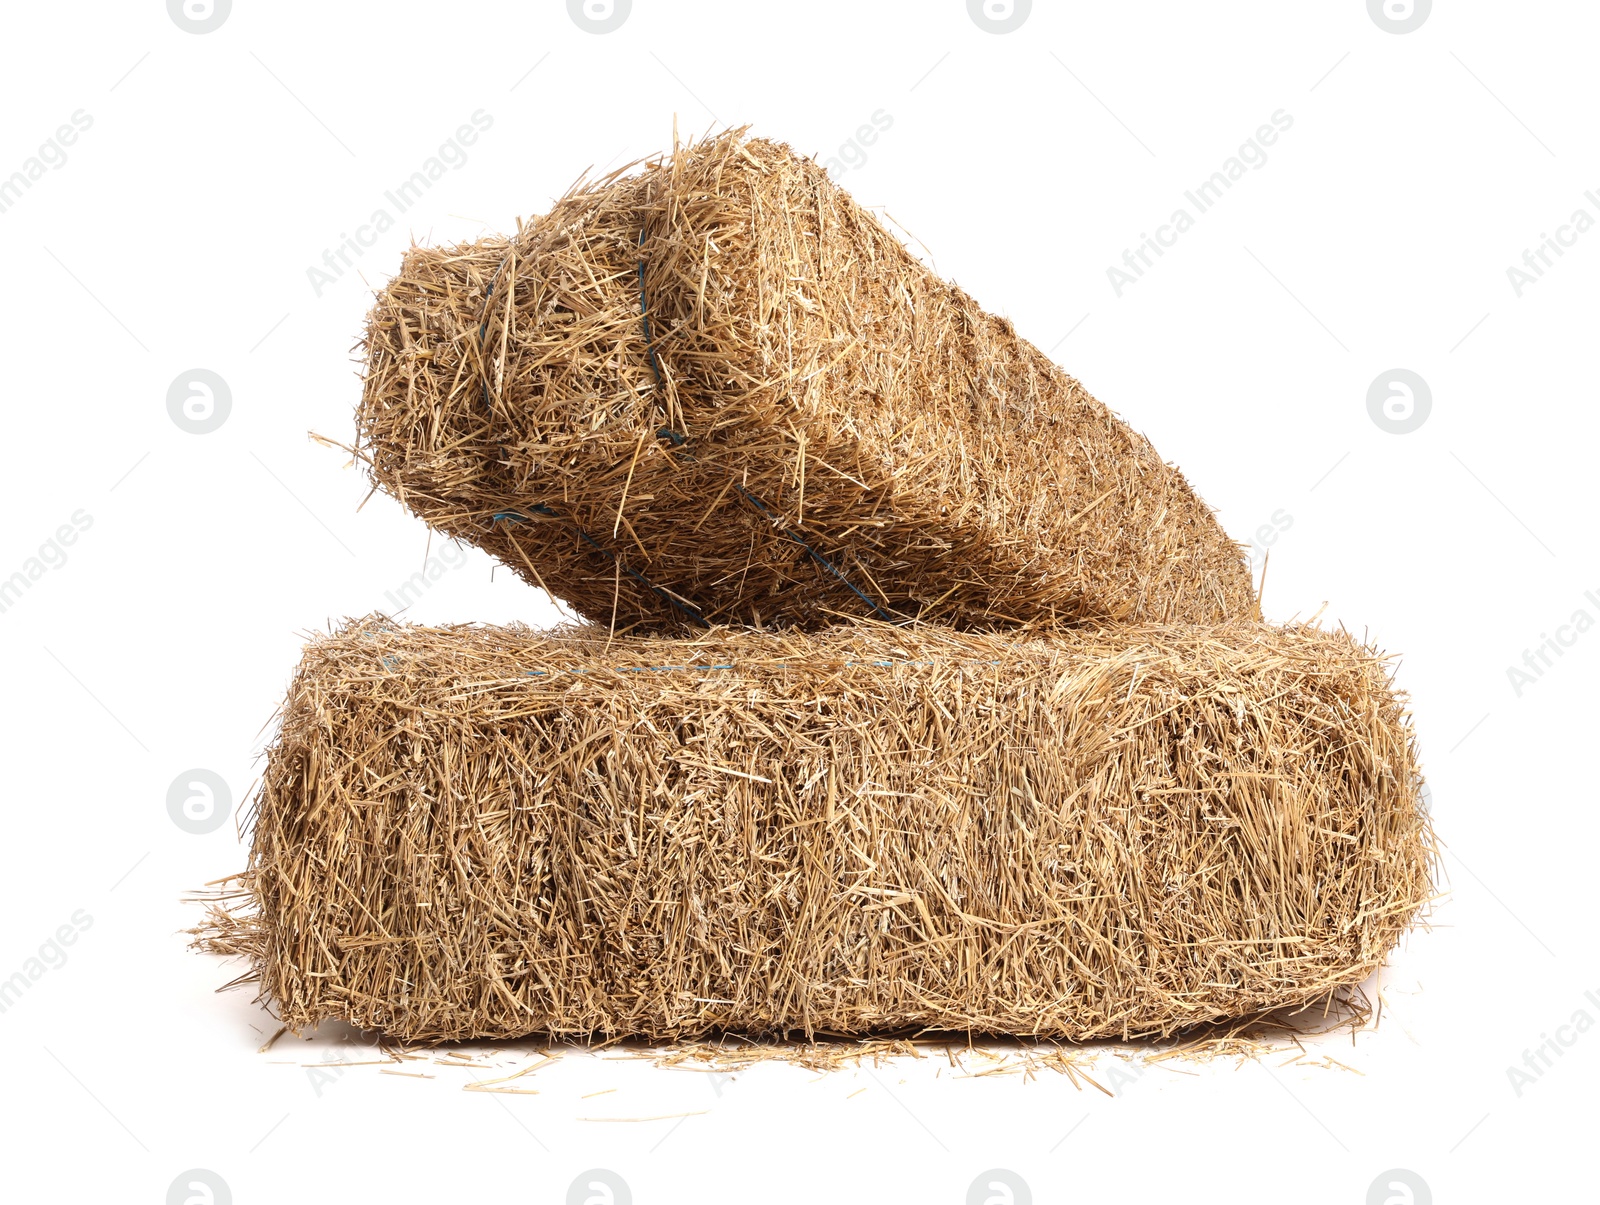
(491, 832)
(717, 388)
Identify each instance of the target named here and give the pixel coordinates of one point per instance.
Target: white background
(220, 166)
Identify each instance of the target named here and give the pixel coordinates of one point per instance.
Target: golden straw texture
(819, 427)
(491, 832)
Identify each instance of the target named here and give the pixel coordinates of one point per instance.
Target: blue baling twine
(483, 329)
(392, 662)
(678, 442)
(660, 669)
(644, 317)
(514, 516)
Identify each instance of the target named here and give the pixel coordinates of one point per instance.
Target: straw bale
(469, 832)
(715, 388)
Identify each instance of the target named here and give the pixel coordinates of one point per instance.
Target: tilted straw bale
(717, 389)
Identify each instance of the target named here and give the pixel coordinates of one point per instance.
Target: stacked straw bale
(718, 389)
(490, 832)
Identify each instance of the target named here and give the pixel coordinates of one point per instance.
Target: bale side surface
(488, 832)
(817, 414)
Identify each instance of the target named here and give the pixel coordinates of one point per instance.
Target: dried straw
(717, 388)
(491, 832)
